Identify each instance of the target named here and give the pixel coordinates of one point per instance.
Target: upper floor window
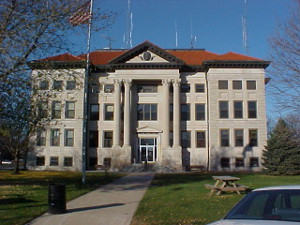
(44, 85)
(199, 88)
(57, 85)
(239, 137)
(108, 112)
(237, 84)
(69, 137)
(146, 88)
(94, 112)
(252, 110)
(186, 139)
(200, 139)
(108, 88)
(42, 109)
(94, 88)
(253, 137)
(55, 137)
(70, 110)
(223, 109)
(108, 139)
(238, 109)
(56, 110)
(71, 85)
(93, 138)
(185, 88)
(251, 85)
(41, 137)
(224, 138)
(200, 111)
(223, 84)
(147, 112)
(185, 112)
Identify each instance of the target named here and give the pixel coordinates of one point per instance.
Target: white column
(127, 113)
(117, 100)
(166, 114)
(176, 113)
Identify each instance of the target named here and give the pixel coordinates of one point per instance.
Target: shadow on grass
(94, 207)
(18, 200)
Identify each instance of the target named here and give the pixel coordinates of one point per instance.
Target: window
(252, 112)
(41, 138)
(108, 139)
(94, 112)
(238, 109)
(251, 85)
(225, 162)
(223, 107)
(93, 138)
(71, 85)
(40, 161)
(237, 84)
(44, 85)
(239, 137)
(200, 139)
(68, 161)
(253, 138)
(55, 137)
(199, 88)
(56, 110)
(108, 88)
(224, 138)
(108, 112)
(70, 110)
(95, 88)
(223, 84)
(185, 112)
(147, 112)
(42, 109)
(254, 162)
(69, 137)
(146, 88)
(57, 84)
(185, 88)
(239, 162)
(186, 139)
(200, 111)
(54, 161)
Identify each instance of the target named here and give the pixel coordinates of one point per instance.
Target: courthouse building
(178, 108)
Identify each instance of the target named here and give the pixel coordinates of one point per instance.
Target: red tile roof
(193, 57)
(232, 56)
(63, 58)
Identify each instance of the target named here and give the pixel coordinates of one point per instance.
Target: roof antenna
(176, 36)
(129, 26)
(193, 37)
(244, 27)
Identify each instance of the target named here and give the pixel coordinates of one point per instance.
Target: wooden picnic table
(226, 183)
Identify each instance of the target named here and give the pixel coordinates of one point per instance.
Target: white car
(278, 205)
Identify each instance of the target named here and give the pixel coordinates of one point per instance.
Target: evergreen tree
(282, 153)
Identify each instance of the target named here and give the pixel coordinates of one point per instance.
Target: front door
(147, 150)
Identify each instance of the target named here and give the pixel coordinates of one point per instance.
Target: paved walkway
(112, 204)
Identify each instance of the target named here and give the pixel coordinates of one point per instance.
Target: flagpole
(85, 100)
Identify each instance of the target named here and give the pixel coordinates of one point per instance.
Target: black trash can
(56, 198)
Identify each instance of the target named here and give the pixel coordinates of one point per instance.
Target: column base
(172, 157)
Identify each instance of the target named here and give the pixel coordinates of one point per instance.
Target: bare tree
(285, 56)
(30, 29)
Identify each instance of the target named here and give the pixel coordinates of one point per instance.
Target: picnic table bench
(226, 184)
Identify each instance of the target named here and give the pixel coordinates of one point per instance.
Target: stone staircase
(149, 167)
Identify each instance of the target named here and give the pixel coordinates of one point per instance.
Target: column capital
(176, 82)
(127, 81)
(117, 82)
(166, 82)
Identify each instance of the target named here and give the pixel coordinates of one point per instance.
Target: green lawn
(174, 199)
(25, 196)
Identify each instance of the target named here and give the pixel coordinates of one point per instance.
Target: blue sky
(217, 25)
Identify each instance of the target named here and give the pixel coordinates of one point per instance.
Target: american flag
(82, 15)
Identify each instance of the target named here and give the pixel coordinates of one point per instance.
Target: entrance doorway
(147, 149)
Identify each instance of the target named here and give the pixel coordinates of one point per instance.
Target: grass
(182, 199)
(25, 196)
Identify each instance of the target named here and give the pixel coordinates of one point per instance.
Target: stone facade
(178, 108)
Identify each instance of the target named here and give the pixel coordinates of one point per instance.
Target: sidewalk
(112, 204)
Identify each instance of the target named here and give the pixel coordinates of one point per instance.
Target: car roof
(282, 187)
